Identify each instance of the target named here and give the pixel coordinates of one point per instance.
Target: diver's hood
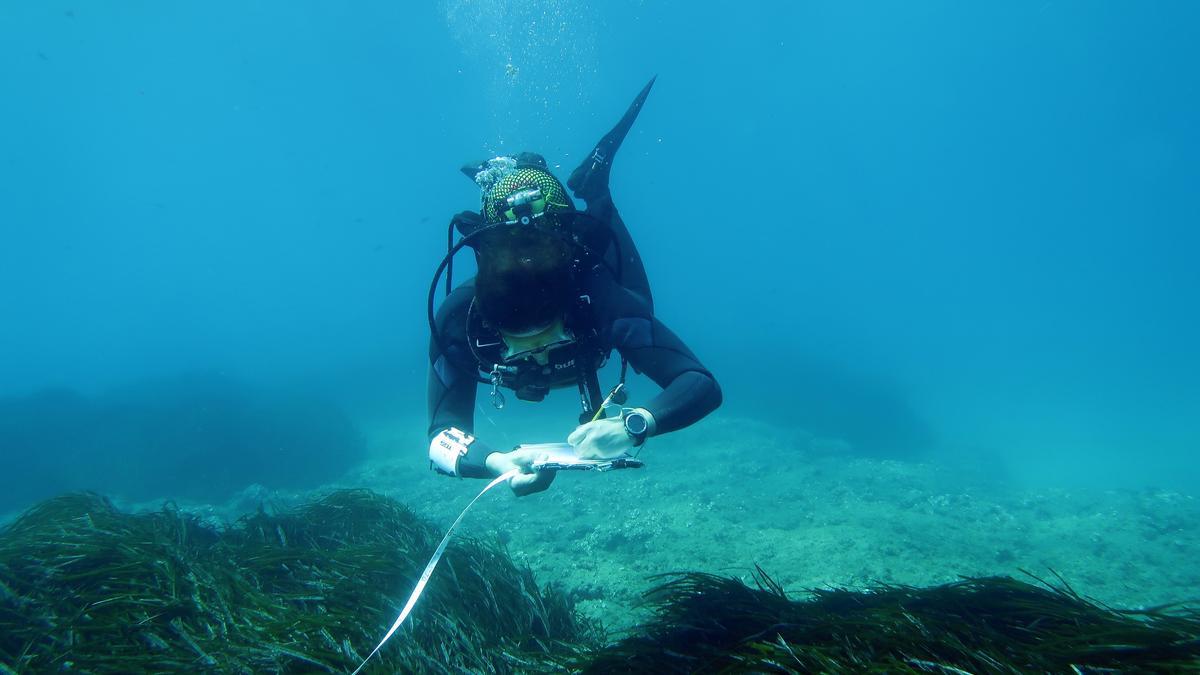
(581, 228)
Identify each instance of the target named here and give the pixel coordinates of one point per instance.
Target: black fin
(471, 168)
(467, 222)
(590, 180)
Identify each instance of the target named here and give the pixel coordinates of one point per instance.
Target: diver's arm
(450, 395)
(453, 449)
(689, 390)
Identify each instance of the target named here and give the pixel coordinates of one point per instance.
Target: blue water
(951, 230)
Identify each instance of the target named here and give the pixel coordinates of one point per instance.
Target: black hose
(450, 265)
(443, 348)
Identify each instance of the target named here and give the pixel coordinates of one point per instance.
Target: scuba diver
(556, 292)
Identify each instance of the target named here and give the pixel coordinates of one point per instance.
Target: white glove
(602, 439)
(528, 481)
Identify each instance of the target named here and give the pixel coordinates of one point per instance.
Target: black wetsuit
(609, 315)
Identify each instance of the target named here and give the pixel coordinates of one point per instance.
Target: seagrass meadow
(85, 587)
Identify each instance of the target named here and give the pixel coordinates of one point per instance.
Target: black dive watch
(636, 426)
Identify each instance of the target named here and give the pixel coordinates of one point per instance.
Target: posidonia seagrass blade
(707, 623)
(85, 586)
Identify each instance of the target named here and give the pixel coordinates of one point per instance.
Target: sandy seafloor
(812, 515)
(807, 511)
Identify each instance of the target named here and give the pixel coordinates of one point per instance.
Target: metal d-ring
(497, 396)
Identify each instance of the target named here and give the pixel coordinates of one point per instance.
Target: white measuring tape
(437, 555)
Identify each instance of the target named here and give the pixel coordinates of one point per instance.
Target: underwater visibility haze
(941, 258)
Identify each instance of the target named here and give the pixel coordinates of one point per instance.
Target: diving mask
(535, 343)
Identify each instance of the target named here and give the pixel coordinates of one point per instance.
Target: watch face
(635, 424)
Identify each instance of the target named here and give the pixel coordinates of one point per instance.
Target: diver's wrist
(458, 453)
(447, 449)
(638, 424)
(651, 425)
(497, 463)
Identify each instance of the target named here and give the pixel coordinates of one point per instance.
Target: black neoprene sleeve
(451, 388)
(689, 390)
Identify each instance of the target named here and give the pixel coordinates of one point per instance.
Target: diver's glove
(454, 452)
(613, 436)
(528, 481)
